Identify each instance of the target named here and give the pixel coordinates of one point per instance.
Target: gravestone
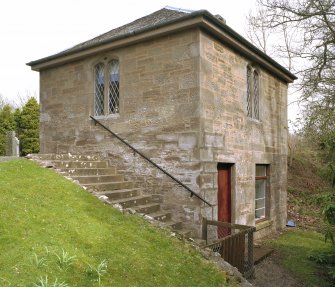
(12, 144)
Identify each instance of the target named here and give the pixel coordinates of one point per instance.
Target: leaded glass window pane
(99, 90)
(256, 95)
(252, 92)
(114, 87)
(249, 97)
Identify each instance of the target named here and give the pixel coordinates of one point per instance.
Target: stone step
(122, 193)
(98, 178)
(96, 175)
(147, 208)
(109, 186)
(200, 242)
(160, 216)
(79, 164)
(184, 233)
(261, 252)
(133, 201)
(173, 225)
(89, 171)
(68, 156)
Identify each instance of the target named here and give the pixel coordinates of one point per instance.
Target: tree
(310, 28)
(7, 123)
(2, 102)
(307, 29)
(28, 127)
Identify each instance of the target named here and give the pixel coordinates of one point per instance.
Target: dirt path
(270, 274)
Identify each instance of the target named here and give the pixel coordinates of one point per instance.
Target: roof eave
(252, 53)
(182, 23)
(201, 18)
(247, 49)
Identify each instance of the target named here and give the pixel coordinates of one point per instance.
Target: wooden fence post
(204, 229)
(251, 252)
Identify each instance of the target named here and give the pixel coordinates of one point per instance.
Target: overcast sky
(34, 29)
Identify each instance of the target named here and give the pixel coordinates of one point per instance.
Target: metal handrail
(149, 160)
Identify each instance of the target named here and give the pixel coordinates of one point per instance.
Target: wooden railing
(234, 242)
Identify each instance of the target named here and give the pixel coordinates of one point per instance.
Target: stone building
(190, 93)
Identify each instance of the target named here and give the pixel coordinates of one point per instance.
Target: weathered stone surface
(232, 137)
(183, 104)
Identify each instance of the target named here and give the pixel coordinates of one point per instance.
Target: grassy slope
(39, 210)
(304, 184)
(295, 247)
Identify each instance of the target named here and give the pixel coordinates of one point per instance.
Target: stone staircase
(101, 179)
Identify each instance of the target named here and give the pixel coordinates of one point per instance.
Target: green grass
(51, 228)
(295, 247)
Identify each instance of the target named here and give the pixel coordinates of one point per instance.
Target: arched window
(252, 92)
(99, 90)
(249, 91)
(256, 95)
(114, 86)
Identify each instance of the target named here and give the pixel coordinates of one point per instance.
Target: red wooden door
(224, 196)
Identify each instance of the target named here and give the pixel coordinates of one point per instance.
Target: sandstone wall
(182, 103)
(159, 115)
(228, 135)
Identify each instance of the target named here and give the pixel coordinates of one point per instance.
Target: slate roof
(157, 18)
(153, 21)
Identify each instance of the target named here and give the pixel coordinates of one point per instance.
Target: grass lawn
(52, 229)
(295, 247)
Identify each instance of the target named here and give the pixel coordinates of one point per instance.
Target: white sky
(34, 29)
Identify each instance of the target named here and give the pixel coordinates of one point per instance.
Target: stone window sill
(263, 224)
(110, 116)
(253, 120)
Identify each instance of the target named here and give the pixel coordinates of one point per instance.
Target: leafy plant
(47, 250)
(39, 262)
(331, 273)
(64, 260)
(97, 272)
(43, 282)
(324, 258)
